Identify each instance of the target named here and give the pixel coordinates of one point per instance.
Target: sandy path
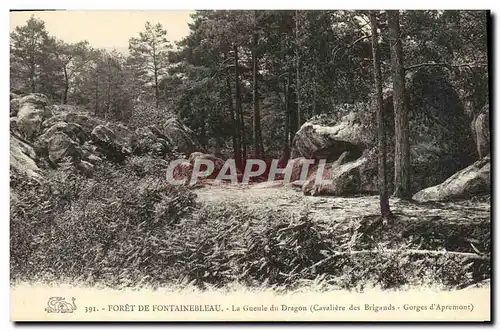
(335, 208)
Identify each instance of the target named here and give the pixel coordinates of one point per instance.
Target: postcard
(250, 165)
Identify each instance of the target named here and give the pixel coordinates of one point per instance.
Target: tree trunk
(292, 112)
(96, 106)
(66, 86)
(32, 79)
(314, 104)
(299, 115)
(402, 145)
(382, 172)
(257, 133)
(157, 97)
(239, 113)
(235, 126)
(155, 72)
(286, 148)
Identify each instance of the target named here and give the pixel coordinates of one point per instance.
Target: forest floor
(427, 231)
(339, 209)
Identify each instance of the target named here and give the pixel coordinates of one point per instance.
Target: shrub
(90, 228)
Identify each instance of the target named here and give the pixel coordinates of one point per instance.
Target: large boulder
(61, 140)
(327, 136)
(86, 122)
(468, 182)
(482, 131)
(441, 141)
(22, 158)
(346, 178)
(60, 146)
(181, 136)
(32, 111)
(114, 147)
(73, 130)
(217, 162)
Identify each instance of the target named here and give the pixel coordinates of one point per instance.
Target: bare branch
(446, 65)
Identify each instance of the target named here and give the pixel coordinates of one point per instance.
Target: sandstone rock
(482, 131)
(72, 130)
(468, 182)
(32, 112)
(86, 122)
(326, 137)
(22, 159)
(60, 146)
(115, 148)
(218, 163)
(181, 136)
(441, 142)
(61, 140)
(36, 99)
(345, 179)
(297, 167)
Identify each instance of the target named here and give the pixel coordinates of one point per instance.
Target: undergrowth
(126, 227)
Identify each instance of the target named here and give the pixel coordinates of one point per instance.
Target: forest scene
(396, 104)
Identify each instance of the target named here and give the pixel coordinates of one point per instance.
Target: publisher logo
(60, 305)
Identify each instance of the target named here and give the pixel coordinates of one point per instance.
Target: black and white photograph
(250, 165)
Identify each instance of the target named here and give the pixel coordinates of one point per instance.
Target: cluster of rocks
(444, 143)
(41, 133)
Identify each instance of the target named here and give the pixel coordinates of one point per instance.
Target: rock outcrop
(114, 147)
(347, 177)
(86, 122)
(60, 146)
(181, 136)
(326, 137)
(441, 142)
(468, 182)
(482, 131)
(22, 159)
(61, 131)
(32, 111)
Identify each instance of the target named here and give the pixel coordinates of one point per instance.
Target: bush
(91, 229)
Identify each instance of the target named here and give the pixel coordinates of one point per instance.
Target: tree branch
(447, 65)
(359, 39)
